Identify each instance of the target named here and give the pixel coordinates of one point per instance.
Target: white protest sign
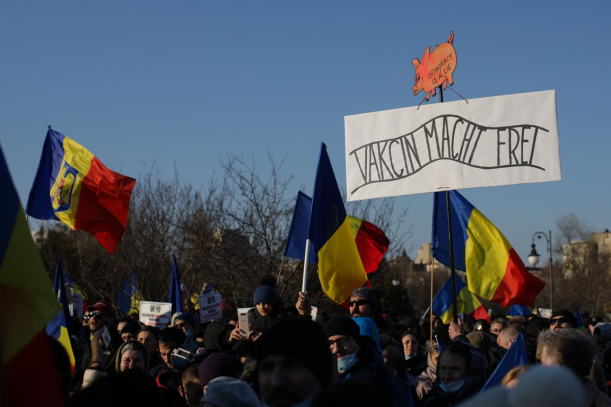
(499, 140)
(210, 307)
(155, 314)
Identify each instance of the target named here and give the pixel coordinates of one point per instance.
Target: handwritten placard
(210, 307)
(155, 314)
(500, 140)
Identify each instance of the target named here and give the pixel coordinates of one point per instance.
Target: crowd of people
(284, 357)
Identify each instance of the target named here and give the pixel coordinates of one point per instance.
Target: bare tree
(583, 273)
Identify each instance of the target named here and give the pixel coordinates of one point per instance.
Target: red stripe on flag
(372, 244)
(518, 286)
(104, 204)
(481, 313)
(32, 364)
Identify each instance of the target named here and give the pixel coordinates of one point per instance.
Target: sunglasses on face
(180, 325)
(95, 315)
(560, 321)
(358, 303)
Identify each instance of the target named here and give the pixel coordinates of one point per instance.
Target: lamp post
(533, 259)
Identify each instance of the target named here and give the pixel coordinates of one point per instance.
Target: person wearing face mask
(353, 351)
(415, 362)
(461, 373)
(424, 382)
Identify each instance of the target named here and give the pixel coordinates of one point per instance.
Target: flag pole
(304, 283)
(452, 269)
(431, 306)
(280, 271)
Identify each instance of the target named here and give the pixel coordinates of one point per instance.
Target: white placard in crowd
(545, 312)
(492, 141)
(210, 307)
(155, 314)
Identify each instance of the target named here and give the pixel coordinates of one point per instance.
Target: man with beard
(99, 356)
(365, 302)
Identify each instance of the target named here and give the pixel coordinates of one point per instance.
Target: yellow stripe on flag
(26, 298)
(486, 255)
(340, 268)
(80, 159)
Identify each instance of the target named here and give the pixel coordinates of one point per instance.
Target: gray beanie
(371, 295)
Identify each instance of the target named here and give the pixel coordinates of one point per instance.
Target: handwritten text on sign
(487, 142)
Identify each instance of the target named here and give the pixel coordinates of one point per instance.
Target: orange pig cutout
(436, 68)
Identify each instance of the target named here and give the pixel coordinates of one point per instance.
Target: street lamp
(533, 259)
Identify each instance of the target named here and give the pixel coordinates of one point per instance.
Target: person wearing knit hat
(187, 322)
(364, 302)
(229, 392)
(293, 362)
(353, 350)
(217, 365)
(562, 319)
(265, 299)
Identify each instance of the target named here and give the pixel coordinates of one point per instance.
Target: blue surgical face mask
(408, 357)
(345, 363)
(452, 387)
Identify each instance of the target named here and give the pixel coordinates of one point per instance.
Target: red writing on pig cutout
(436, 68)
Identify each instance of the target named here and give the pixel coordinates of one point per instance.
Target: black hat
(302, 340)
(341, 325)
(566, 314)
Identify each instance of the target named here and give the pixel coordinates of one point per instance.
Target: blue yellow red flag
(26, 294)
(494, 270)
(371, 242)
(74, 187)
(467, 302)
(340, 268)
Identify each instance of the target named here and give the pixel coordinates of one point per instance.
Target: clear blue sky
(187, 82)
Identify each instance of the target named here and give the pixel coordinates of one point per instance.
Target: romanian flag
(58, 327)
(175, 290)
(494, 270)
(128, 299)
(468, 303)
(340, 268)
(371, 242)
(28, 304)
(74, 187)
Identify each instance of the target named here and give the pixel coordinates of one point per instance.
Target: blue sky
(187, 82)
